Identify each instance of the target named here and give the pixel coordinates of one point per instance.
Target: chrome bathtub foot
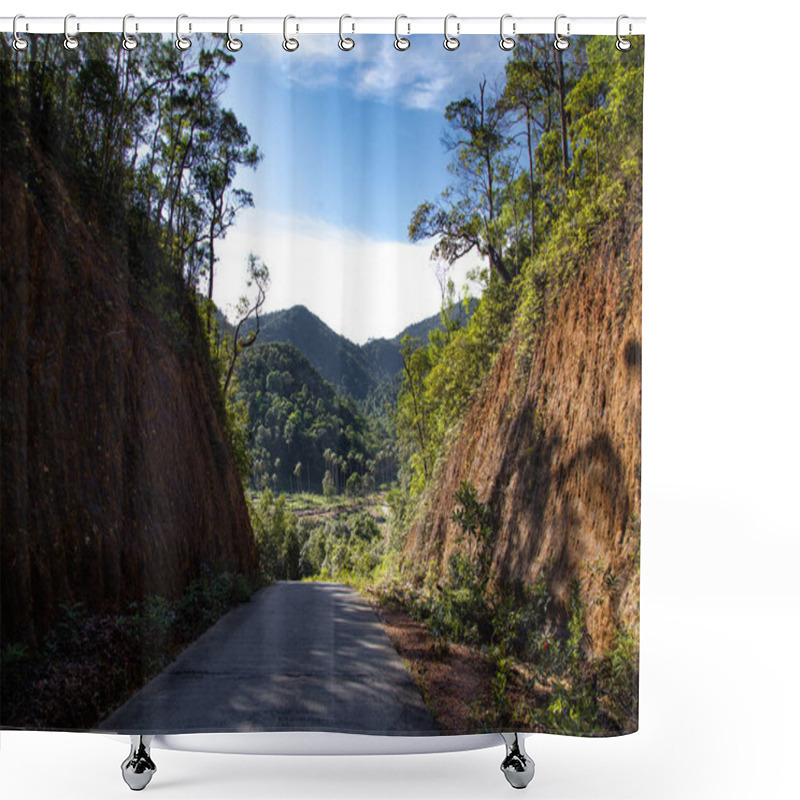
(518, 766)
(138, 768)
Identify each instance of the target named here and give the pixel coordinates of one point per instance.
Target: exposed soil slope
(117, 481)
(552, 444)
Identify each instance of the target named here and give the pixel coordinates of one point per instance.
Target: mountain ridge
(353, 369)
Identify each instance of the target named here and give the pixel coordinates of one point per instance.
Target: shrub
(90, 663)
(618, 680)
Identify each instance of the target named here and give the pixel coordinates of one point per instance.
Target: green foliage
(237, 422)
(297, 418)
(441, 376)
(500, 698)
(413, 416)
(90, 663)
(535, 224)
(346, 547)
(475, 521)
(142, 134)
(467, 215)
(573, 705)
(518, 628)
(461, 608)
(277, 537)
(618, 682)
(597, 203)
(353, 484)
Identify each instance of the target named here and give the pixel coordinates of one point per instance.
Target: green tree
(412, 411)
(530, 87)
(353, 486)
(246, 309)
(467, 215)
(224, 145)
(298, 473)
(297, 417)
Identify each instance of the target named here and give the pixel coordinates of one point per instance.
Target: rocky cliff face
(117, 481)
(553, 445)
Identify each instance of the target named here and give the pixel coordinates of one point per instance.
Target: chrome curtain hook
(70, 42)
(622, 44)
(181, 42)
(128, 42)
(450, 42)
(560, 43)
(290, 45)
(345, 43)
(19, 43)
(400, 42)
(233, 44)
(506, 42)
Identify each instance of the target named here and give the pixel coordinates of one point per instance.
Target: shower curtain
(321, 384)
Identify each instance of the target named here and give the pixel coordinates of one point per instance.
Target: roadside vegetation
(90, 663)
(540, 675)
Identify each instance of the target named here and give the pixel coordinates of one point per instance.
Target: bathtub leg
(138, 768)
(518, 766)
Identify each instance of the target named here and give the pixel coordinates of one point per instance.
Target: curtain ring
(450, 42)
(181, 42)
(345, 43)
(622, 44)
(560, 43)
(70, 42)
(506, 42)
(19, 43)
(128, 42)
(233, 44)
(290, 45)
(400, 42)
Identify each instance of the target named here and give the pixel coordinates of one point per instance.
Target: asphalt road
(299, 656)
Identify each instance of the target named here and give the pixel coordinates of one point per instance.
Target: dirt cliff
(552, 444)
(117, 479)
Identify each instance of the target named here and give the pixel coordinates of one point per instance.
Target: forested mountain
(383, 355)
(356, 370)
(299, 426)
(337, 359)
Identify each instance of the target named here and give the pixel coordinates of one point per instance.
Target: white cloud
(361, 287)
(425, 76)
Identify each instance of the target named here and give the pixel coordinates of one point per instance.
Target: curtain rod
(458, 26)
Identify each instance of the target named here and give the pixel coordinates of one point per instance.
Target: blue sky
(352, 145)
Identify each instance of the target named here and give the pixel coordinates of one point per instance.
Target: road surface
(299, 656)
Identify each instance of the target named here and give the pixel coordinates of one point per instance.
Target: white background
(720, 601)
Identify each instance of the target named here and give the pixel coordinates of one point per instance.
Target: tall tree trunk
(562, 114)
(216, 225)
(530, 179)
(181, 170)
(419, 419)
(210, 275)
(497, 264)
